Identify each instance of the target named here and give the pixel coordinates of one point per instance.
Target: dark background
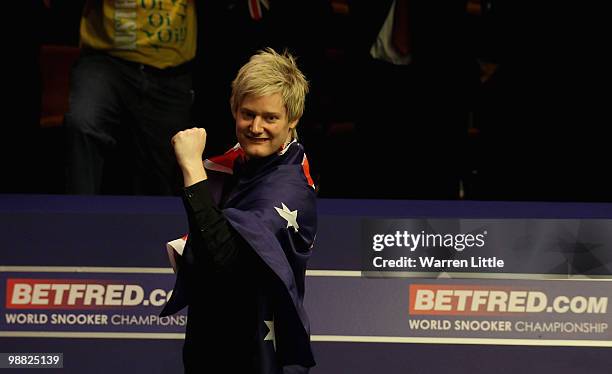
(507, 100)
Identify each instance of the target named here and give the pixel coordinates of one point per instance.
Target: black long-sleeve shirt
(213, 240)
(225, 277)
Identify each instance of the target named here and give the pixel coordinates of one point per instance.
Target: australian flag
(274, 211)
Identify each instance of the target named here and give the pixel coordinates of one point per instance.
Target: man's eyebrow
(251, 111)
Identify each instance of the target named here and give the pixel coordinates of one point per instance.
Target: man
(131, 90)
(252, 223)
(413, 58)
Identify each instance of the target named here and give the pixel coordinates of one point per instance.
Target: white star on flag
(270, 336)
(290, 216)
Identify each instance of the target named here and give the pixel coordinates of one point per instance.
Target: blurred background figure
(130, 91)
(413, 79)
(539, 115)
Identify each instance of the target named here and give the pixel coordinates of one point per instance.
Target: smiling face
(262, 126)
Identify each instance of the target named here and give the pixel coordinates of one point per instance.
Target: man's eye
(271, 118)
(247, 115)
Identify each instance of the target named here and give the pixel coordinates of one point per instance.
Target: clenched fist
(188, 147)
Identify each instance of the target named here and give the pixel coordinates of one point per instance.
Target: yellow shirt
(160, 33)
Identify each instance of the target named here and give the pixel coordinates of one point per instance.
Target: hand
(189, 146)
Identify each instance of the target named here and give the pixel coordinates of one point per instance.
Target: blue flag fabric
(274, 210)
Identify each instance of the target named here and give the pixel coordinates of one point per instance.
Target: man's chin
(256, 152)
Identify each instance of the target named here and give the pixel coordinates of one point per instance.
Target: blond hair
(268, 73)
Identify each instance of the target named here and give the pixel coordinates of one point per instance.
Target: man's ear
(293, 124)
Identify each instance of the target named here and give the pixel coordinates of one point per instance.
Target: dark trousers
(121, 118)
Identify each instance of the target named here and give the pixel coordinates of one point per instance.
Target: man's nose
(256, 127)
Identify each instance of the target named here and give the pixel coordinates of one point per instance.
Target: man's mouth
(256, 140)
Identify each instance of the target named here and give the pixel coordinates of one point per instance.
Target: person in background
(414, 60)
(130, 91)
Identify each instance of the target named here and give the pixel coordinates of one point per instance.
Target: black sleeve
(212, 239)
